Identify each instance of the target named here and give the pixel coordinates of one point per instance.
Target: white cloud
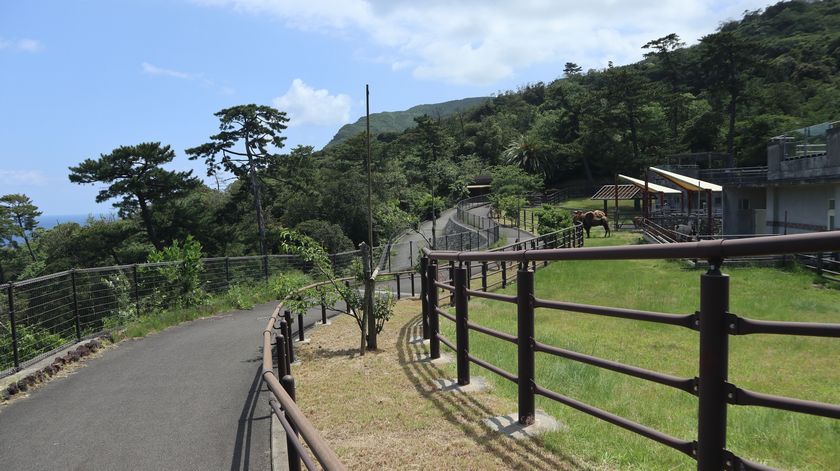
(155, 70)
(152, 69)
(306, 105)
(22, 177)
(21, 45)
(483, 41)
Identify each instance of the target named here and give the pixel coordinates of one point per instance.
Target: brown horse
(592, 218)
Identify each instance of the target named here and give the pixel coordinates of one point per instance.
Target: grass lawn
(799, 367)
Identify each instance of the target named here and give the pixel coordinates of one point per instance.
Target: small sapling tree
(292, 242)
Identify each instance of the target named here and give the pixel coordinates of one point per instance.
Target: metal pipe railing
(713, 321)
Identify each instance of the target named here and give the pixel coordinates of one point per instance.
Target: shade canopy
(608, 192)
(652, 187)
(687, 183)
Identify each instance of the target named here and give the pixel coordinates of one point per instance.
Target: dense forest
(772, 71)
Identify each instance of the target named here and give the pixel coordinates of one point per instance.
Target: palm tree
(525, 152)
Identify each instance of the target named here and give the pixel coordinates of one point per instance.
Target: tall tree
(134, 174)
(727, 60)
(253, 128)
(21, 216)
(625, 92)
(433, 146)
(663, 49)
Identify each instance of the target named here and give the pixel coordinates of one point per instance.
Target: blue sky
(80, 78)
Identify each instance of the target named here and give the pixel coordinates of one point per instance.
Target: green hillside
(399, 121)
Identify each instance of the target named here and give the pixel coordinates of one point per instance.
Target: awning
(687, 183)
(608, 192)
(652, 187)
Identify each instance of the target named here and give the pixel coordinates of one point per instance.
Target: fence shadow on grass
(467, 412)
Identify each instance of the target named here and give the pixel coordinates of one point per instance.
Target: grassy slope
(792, 366)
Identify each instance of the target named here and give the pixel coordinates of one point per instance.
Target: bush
(552, 218)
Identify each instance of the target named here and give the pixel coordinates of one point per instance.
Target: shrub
(552, 218)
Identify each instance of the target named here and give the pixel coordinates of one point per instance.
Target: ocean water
(47, 221)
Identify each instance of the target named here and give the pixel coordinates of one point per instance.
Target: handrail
(704, 249)
(320, 449)
(713, 321)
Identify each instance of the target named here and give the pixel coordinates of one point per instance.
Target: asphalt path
(187, 398)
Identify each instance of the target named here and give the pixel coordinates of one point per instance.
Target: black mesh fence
(42, 315)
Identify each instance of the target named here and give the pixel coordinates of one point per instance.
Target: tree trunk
(255, 189)
(586, 169)
(25, 239)
(147, 221)
(730, 136)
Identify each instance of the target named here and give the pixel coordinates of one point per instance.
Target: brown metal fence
(281, 385)
(714, 322)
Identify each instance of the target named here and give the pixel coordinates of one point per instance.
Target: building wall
(806, 206)
(738, 220)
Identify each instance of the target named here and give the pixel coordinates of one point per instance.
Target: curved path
(187, 398)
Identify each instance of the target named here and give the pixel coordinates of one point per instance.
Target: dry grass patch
(383, 410)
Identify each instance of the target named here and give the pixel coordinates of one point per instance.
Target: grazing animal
(592, 218)
(685, 232)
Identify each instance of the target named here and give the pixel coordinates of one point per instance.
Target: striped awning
(652, 187)
(625, 192)
(687, 183)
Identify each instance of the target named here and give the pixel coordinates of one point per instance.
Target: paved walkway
(187, 398)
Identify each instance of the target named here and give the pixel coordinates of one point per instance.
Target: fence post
(534, 247)
(397, 276)
(714, 352)
(287, 318)
(411, 255)
(819, 264)
(411, 276)
(424, 296)
(525, 343)
(76, 316)
(280, 350)
(431, 277)
(461, 241)
(288, 383)
(227, 272)
(300, 327)
(323, 314)
(504, 274)
(451, 280)
(136, 290)
(462, 333)
(446, 242)
(483, 276)
(13, 326)
(265, 267)
(469, 274)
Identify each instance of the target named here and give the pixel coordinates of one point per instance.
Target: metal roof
(652, 187)
(625, 192)
(687, 183)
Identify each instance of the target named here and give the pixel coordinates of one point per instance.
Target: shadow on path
(242, 445)
(467, 412)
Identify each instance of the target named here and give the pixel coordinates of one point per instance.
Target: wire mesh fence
(42, 315)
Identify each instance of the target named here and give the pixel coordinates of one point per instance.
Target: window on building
(831, 225)
(830, 204)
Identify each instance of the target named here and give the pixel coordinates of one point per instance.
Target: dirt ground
(383, 410)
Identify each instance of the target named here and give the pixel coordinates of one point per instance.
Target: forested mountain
(770, 72)
(399, 121)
